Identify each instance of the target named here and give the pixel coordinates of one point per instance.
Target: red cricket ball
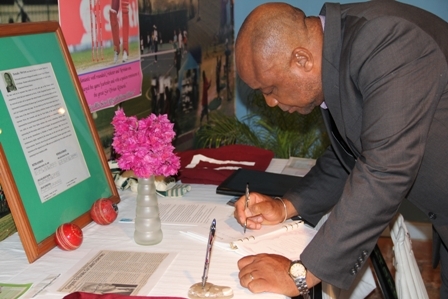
(68, 236)
(104, 211)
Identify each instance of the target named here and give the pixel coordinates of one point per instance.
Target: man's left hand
(267, 273)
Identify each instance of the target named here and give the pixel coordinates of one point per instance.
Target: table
(184, 271)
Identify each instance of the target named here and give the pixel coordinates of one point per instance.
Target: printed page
(192, 213)
(174, 212)
(118, 272)
(45, 129)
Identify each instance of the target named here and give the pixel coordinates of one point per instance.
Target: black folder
(268, 183)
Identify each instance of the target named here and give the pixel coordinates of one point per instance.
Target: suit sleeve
(321, 188)
(393, 69)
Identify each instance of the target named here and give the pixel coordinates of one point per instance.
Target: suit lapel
(330, 62)
(340, 148)
(330, 81)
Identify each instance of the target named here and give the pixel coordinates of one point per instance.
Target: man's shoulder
(387, 8)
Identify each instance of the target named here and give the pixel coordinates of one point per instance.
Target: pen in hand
(246, 205)
(208, 253)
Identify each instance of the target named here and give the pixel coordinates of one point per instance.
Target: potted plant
(270, 128)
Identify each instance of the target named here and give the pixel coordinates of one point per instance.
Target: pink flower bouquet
(145, 146)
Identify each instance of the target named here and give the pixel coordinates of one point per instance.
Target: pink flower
(145, 145)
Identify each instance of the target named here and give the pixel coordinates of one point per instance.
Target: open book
(287, 239)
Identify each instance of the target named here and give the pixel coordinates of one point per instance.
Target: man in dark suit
(379, 72)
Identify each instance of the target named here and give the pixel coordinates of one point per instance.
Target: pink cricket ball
(68, 236)
(104, 211)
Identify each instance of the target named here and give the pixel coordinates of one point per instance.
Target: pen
(246, 205)
(209, 250)
(46, 285)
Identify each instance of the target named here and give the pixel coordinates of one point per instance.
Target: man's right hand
(262, 210)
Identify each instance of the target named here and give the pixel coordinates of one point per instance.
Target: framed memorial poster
(52, 164)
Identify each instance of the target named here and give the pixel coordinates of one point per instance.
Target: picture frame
(52, 164)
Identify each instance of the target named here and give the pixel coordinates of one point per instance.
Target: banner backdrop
(103, 39)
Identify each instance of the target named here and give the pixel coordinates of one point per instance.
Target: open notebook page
(289, 241)
(269, 239)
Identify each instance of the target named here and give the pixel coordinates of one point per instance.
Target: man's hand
(262, 210)
(270, 273)
(267, 273)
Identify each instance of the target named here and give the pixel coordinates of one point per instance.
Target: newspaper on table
(118, 272)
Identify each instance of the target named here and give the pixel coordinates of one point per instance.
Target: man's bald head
(279, 52)
(272, 28)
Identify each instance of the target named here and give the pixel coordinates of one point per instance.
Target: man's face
(8, 79)
(283, 84)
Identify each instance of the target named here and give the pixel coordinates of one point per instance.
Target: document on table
(108, 271)
(176, 212)
(192, 213)
(287, 239)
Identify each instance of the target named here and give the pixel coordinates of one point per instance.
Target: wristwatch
(297, 271)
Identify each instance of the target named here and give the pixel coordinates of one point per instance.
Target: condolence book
(268, 183)
(288, 239)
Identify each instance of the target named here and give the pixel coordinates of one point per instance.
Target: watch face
(297, 270)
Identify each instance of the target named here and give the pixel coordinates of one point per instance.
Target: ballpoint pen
(208, 253)
(246, 205)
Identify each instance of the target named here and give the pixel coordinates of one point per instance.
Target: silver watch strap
(303, 288)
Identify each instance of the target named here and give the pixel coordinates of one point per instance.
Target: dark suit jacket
(385, 77)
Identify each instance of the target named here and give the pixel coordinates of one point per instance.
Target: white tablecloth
(179, 276)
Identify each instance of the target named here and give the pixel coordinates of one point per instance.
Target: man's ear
(303, 59)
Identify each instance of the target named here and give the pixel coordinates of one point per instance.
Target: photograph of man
(115, 26)
(10, 86)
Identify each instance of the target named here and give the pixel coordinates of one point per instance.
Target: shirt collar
(322, 20)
